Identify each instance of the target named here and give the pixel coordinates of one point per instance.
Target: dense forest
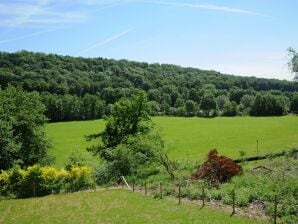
(75, 88)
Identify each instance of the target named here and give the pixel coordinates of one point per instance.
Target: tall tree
(208, 104)
(22, 136)
(128, 143)
(190, 108)
(294, 104)
(129, 117)
(293, 64)
(269, 105)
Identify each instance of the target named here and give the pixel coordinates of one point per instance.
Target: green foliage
(129, 118)
(70, 107)
(80, 178)
(190, 108)
(22, 137)
(282, 181)
(269, 105)
(230, 109)
(38, 181)
(76, 158)
(208, 104)
(294, 104)
(221, 101)
(138, 157)
(129, 145)
(85, 88)
(246, 103)
(293, 63)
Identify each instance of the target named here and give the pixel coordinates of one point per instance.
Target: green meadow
(108, 206)
(190, 138)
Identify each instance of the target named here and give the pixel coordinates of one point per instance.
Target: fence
(159, 188)
(35, 190)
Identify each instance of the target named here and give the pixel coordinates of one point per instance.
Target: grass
(191, 138)
(67, 137)
(108, 206)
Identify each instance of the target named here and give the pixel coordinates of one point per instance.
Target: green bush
(39, 181)
(80, 178)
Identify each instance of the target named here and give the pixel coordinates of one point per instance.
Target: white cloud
(205, 6)
(106, 41)
(26, 36)
(39, 13)
(48, 12)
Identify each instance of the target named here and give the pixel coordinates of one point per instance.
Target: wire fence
(34, 189)
(158, 192)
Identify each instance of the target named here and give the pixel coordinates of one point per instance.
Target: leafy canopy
(129, 145)
(293, 64)
(22, 137)
(130, 116)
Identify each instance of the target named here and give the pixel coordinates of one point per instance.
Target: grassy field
(108, 206)
(67, 137)
(191, 138)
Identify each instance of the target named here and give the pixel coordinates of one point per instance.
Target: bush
(80, 178)
(104, 174)
(39, 181)
(4, 183)
(217, 168)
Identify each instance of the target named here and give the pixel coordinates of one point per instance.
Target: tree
(190, 108)
(269, 105)
(294, 104)
(208, 104)
(129, 117)
(129, 144)
(236, 94)
(22, 136)
(247, 101)
(230, 109)
(80, 88)
(221, 100)
(293, 64)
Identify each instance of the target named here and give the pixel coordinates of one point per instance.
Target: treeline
(69, 108)
(86, 88)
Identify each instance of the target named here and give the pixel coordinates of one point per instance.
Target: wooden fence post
(65, 190)
(203, 194)
(160, 189)
(179, 194)
(145, 187)
(233, 196)
(133, 186)
(275, 209)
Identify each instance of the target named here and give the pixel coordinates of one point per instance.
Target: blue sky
(241, 37)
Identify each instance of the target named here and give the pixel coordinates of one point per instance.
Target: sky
(240, 37)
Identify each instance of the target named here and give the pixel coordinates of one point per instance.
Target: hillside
(78, 76)
(85, 88)
(108, 206)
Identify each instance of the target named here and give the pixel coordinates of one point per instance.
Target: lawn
(108, 206)
(190, 138)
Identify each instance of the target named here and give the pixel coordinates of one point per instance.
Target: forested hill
(171, 89)
(76, 75)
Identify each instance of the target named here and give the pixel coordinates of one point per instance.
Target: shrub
(80, 178)
(39, 181)
(217, 168)
(4, 183)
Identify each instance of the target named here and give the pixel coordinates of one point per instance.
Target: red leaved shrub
(217, 168)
